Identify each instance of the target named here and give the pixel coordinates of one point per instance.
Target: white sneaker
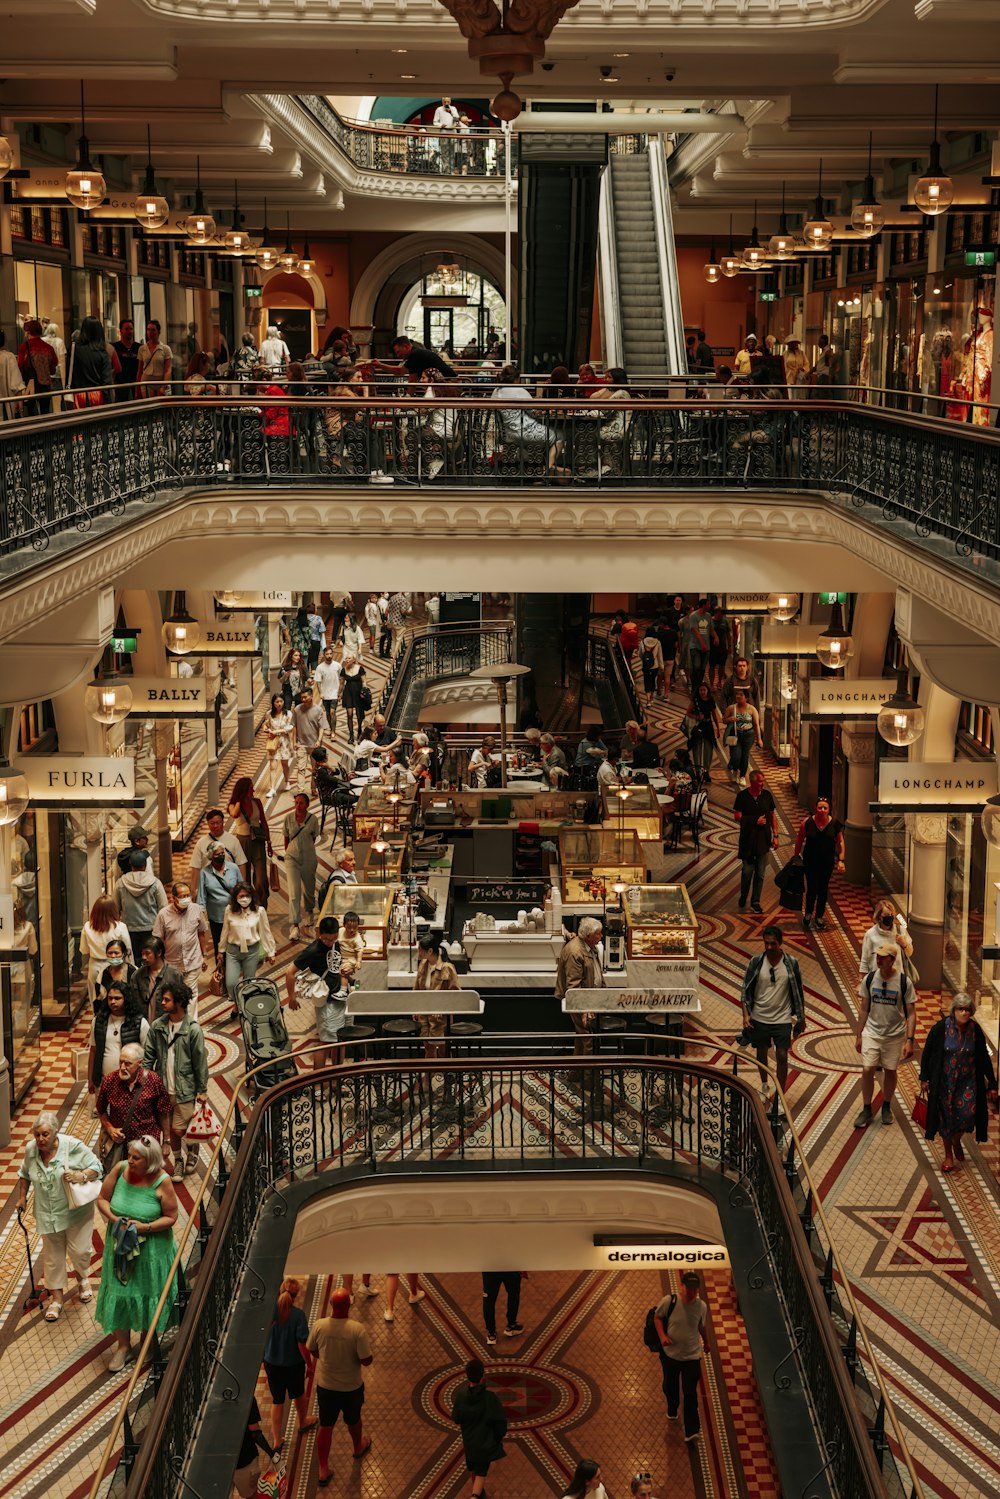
(369, 1290)
(742, 783)
(417, 1296)
(387, 1316)
(293, 933)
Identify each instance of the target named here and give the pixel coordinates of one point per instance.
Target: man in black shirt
(645, 754)
(416, 359)
(754, 810)
(128, 357)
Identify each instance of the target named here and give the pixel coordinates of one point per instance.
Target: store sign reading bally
(227, 641)
(916, 783)
(860, 697)
(169, 697)
(79, 780)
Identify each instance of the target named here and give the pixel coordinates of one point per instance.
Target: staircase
(637, 249)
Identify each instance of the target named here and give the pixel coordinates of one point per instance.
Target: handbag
(729, 737)
(274, 876)
(79, 1194)
(919, 1114)
(217, 983)
(311, 988)
(204, 1124)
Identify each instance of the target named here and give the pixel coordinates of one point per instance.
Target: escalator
(642, 320)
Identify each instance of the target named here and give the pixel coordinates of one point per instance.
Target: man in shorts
(342, 1350)
(887, 1023)
(773, 1005)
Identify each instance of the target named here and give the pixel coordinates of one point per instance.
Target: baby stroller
(264, 1034)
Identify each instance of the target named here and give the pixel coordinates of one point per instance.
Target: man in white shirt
(446, 118)
(480, 761)
(680, 1322)
(606, 774)
(326, 679)
(182, 926)
(887, 1024)
(216, 837)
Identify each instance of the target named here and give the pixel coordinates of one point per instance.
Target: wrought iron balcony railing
(414, 150)
(517, 1107)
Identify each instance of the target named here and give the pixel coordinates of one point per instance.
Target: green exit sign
(981, 259)
(833, 598)
(769, 296)
(253, 291)
(124, 645)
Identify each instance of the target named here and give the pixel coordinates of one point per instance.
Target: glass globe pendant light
(108, 699)
(200, 226)
(711, 270)
(818, 231)
(150, 209)
(934, 192)
(85, 185)
(754, 255)
(181, 634)
(288, 260)
(989, 821)
(868, 216)
(13, 793)
(900, 720)
(783, 606)
(6, 156)
(835, 646)
(267, 254)
(237, 240)
(782, 244)
(730, 263)
(306, 265)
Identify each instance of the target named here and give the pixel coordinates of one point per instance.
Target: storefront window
(40, 291)
(21, 983)
(957, 348)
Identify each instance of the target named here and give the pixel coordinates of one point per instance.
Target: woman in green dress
(137, 1192)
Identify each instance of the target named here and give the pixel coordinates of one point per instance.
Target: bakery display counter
(593, 860)
(639, 810)
(660, 923)
(372, 903)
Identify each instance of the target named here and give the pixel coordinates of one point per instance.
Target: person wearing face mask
(245, 930)
(175, 1050)
(119, 970)
(217, 837)
(181, 926)
(117, 1022)
(216, 884)
(140, 896)
(887, 926)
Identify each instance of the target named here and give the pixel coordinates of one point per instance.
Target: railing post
(826, 1279)
(806, 1218)
(877, 1434)
(851, 1349)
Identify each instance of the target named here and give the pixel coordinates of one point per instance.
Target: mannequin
(973, 380)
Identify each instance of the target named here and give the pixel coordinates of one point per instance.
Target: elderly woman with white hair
(957, 1079)
(420, 758)
(274, 354)
(139, 1204)
(62, 1171)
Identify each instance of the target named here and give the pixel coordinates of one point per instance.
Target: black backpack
(650, 1336)
(648, 660)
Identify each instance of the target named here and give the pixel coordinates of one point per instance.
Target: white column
(859, 746)
(163, 742)
(244, 700)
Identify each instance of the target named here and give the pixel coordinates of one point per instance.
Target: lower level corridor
(923, 1251)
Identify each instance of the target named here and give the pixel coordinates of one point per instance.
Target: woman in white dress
(279, 741)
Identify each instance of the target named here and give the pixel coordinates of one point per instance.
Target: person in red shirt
(628, 637)
(38, 363)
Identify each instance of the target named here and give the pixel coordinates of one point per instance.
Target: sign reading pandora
(915, 783)
(79, 780)
(169, 697)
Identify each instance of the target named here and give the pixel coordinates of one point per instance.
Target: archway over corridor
(389, 276)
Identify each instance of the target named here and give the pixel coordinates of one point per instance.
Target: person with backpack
(680, 1326)
(38, 363)
(483, 1424)
(651, 661)
(774, 1006)
(887, 1023)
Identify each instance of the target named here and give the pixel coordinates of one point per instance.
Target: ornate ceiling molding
(597, 15)
(548, 540)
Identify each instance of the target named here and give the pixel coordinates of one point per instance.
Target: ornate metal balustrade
(433, 655)
(413, 150)
(508, 1114)
(57, 473)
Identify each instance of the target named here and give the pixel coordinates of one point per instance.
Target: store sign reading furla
(169, 697)
(79, 780)
(916, 783)
(857, 697)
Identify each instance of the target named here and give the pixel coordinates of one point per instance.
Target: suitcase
(264, 1035)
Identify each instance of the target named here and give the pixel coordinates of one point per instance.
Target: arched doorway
(391, 275)
(452, 313)
(296, 306)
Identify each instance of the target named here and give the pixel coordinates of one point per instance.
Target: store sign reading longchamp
(860, 697)
(169, 697)
(915, 783)
(79, 780)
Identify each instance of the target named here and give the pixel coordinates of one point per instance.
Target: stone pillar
(213, 680)
(928, 833)
(163, 741)
(859, 747)
(244, 700)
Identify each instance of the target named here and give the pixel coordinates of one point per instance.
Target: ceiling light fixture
(783, 606)
(782, 244)
(151, 209)
(730, 263)
(237, 240)
(200, 225)
(288, 260)
(711, 270)
(835, 646)
(13, 793)
(306, 265)
(754, 255)
(868, 216)
(181, 633)
(108, 699)
(818, 231)
(934, 192)
(901, 720)
(6, 156)
(85, 185)
(267, 254)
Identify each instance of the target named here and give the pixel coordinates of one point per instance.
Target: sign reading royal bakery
(860, 697)
(79, 780)
(169, 697)
(925, 783)
(226, 640)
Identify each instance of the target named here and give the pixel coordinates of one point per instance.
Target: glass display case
(592, 859)
(375, 813)
(641, 812)
(385, 866)
(660, 922)
(373, 903)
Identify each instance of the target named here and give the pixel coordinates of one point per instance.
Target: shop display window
(374, 812)
(660, 922)
(20, 980)
(385, 866)
(592, 860)
(641, 811)
(957, 347)
(373, 904)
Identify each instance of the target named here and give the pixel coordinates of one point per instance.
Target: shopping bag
(204, 1123)
(272, 1482)
(919, 1115)
(274, 876)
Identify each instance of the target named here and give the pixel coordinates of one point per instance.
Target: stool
(360, 1034)
(402, 1037)
(607, 1028)
(465, 1039)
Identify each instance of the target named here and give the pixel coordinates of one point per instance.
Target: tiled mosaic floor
(923, 1252)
